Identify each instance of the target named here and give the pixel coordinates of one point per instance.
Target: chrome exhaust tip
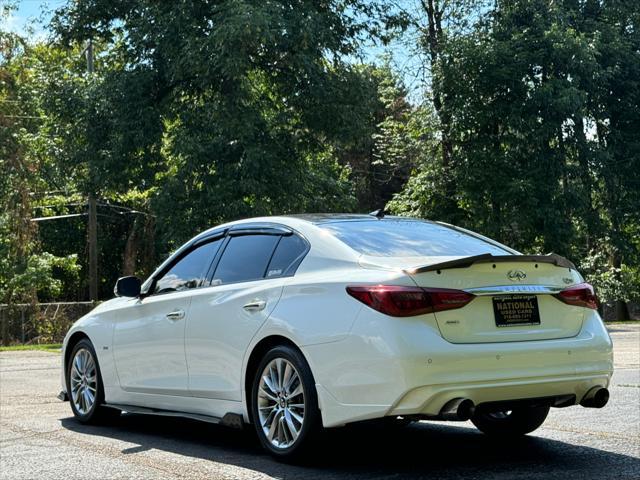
(597, 397)
(458, 409)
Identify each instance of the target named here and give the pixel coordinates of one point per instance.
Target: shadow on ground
(420, 450)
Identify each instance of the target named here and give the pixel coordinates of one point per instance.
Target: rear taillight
(581, 295)
(400, 301)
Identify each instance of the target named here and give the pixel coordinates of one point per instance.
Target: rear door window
(288, 255)
(245, 258)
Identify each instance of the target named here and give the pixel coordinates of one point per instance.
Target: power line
(126, 209)
(61, 205)
(23, 116)
(58, 217)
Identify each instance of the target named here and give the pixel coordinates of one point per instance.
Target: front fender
(97, 326)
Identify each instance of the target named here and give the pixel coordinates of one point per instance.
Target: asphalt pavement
(39, 439)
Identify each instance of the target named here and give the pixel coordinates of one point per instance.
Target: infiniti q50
(298, 323)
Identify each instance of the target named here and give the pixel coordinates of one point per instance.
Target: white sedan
(302, 322)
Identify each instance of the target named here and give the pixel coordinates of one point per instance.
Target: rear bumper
(404, 367)
(429, 400)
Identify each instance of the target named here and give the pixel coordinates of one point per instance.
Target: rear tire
(84, 386)
(511, 423)
(284, 404)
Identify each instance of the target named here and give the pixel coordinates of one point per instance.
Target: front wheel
(84, 385)
(510, 423)
(284, 403)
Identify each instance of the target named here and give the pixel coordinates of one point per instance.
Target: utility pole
(93, 248)
(89, 53)
(92, 231)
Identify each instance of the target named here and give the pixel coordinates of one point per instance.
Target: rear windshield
(407, 238)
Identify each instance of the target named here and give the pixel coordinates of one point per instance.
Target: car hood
(110, 304)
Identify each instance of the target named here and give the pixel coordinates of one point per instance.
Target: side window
(287, 257)
(189, 270)
(245, 258)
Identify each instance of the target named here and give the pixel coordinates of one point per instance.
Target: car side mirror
(127, 287)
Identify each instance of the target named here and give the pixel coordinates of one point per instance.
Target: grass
(624, 322)
(45, 347)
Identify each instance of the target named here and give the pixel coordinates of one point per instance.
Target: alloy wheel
(281, 403)
(83, 380)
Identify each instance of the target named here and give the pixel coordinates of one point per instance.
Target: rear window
(406, 238)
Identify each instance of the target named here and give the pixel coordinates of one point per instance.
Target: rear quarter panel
(316, 308)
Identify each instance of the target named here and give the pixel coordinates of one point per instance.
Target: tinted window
(190, 270)
(287, 257)
(245, 258)
(406, 238)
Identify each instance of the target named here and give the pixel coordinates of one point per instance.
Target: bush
(611, 283)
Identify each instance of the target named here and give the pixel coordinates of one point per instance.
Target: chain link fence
(39, 323)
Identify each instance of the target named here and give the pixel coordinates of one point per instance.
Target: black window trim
(262, 228)
(273, 252)
(259, 229)
(214, 265)
(179, 255)
(293, 266)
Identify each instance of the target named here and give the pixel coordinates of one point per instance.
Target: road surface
(39, 439)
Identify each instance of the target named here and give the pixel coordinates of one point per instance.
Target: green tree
(381, 144)
(221, 110)
(26, 272)
(612, 28)
(538, 98)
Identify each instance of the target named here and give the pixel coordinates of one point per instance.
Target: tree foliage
(203, 111)
(541, 105)
(26, 272)
(223, 109)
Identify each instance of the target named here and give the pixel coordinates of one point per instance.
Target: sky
(29, 11)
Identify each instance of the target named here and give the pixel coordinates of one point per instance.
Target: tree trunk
(130, 250)
(148, 245)
(433, 41)
(587, 183)
(622, 311)
(621, 307)
(92, 240)
(4, 327)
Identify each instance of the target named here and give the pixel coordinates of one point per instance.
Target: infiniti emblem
(516, 275)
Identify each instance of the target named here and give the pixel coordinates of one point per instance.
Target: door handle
(255, 305)
(176, 315)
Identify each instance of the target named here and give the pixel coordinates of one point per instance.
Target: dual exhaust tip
(597, 397)
(458, 409)
(462, 409)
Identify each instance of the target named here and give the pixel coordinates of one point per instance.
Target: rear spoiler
(464, 262)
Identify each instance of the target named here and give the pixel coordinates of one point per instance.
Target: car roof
(299, 220)
(320, 218)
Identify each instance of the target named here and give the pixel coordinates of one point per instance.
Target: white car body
(365, 364)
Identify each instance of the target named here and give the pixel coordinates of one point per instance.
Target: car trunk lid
(515, 297)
